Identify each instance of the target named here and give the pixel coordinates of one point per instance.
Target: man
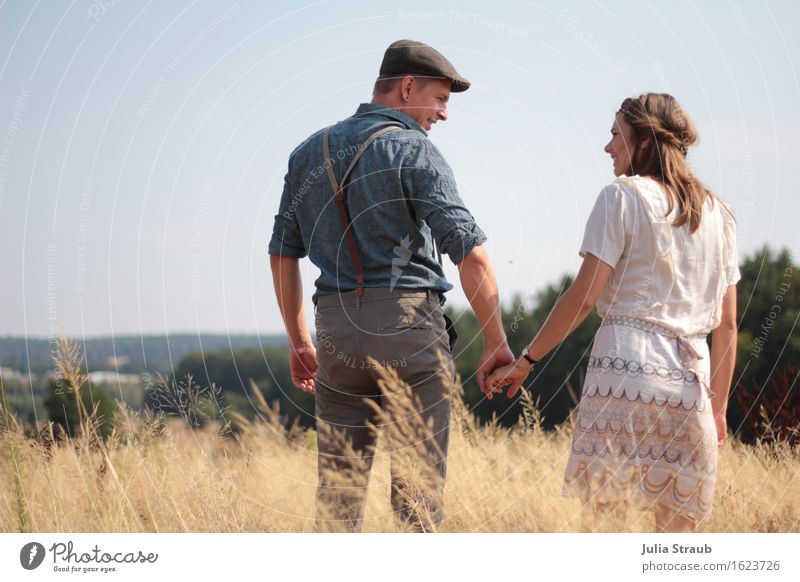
(379, 295)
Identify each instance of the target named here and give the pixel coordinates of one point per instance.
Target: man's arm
(723, 360)
(432, 192)
(480, 286)
(289, 292)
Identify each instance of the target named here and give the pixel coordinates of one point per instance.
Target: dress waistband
(686, 351)
(647, 326)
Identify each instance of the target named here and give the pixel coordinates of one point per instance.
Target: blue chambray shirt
(402, 196)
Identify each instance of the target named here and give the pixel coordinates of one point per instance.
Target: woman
(659, 260)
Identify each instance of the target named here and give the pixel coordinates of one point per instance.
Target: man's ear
(406, 85)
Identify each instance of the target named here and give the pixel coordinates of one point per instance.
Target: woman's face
(622, 145)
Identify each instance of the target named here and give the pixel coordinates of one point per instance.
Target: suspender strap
(340, 191)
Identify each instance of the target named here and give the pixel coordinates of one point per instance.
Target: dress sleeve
(730, 254)
(604, 236)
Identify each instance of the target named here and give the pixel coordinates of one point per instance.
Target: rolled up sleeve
(287, 240)
(604, 236)
(730, 256)
(431, 190)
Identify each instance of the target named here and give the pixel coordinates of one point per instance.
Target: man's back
(401, 196)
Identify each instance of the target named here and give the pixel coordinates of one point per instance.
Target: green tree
(556, 381)
(768, 303)
(62, 407)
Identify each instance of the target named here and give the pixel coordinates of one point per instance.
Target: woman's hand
(722, 427)
(513, 374)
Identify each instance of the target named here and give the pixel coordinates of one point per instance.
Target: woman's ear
(645, 142)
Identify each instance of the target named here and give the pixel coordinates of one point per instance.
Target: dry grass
(159, 475)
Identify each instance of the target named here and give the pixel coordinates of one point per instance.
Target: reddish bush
(772, 413)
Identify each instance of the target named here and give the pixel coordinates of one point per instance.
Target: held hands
(303, 364)
(492, 358)
(513, 374)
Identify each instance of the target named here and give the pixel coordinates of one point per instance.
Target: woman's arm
(723, 359)
(568, 313)
(572, 307)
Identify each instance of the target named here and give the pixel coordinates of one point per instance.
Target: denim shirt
(402, 196)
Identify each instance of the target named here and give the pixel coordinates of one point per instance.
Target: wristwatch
(529, 359)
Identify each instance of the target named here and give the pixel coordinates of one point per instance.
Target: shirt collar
(394, 114)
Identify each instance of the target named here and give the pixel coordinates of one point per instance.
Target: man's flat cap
(410, 57)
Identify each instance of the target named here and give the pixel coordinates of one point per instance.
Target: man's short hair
(384, 85)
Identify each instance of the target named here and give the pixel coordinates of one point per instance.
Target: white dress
(645, 431)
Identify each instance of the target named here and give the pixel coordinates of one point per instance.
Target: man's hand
(289, 292)
(303, 363)
(492, 358)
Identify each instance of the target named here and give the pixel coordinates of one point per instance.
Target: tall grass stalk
(160, 473)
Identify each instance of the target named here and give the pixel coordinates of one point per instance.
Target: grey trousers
(403, 330)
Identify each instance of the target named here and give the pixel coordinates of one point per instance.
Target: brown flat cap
(410, 57)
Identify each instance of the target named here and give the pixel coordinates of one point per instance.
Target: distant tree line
(133, 353)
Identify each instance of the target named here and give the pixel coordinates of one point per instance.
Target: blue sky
(143, 144)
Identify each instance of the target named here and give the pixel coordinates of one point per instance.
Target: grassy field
(158, 475)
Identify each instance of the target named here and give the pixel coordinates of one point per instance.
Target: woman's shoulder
(725, 209)
(717, 214)
(621, 186)
(649, 193)
(638, 184)
(728, 218)
(630, 190)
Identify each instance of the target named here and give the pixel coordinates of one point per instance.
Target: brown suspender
(340, 190)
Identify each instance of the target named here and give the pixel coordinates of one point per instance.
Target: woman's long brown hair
(660, 117)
